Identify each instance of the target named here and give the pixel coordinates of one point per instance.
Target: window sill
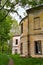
(38, 53)
(38, 29)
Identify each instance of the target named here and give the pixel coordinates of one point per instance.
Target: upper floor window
(37, 23)
(16, 41)
(22, 28)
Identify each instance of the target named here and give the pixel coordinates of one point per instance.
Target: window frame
(38, 49)
(38, 26)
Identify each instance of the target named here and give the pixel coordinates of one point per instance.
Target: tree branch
(4, 5)
(9, 10)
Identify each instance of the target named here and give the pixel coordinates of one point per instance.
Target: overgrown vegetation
(5, 33)
(26, 61)
(5, 26)
(4, 59)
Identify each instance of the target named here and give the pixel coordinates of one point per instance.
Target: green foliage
(41, 2)
(17, 1)
(4, 59)
(15, 30)
(31, 2)
(6, 2)
(2, 14)
(6, 48)
(26, 61)
(5, 34)
(5, 27)
(24, 2)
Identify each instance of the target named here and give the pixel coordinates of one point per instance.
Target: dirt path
(11, 62)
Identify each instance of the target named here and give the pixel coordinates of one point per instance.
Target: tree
(23, 2)
(5, 34)
(12, 3)
(15, 29)
(5, 27)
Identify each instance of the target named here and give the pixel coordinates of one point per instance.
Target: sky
(21, 11)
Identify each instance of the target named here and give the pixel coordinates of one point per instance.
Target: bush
(26, 61)
(4, 59)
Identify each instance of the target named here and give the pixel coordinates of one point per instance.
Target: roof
(38, 7)
(23, 19)
(31, 9)
(16, 35)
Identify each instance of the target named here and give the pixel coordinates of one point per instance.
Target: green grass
(26, 61)
(4, 59)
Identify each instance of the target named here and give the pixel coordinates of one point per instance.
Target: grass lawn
(4, 59)
(26, 61)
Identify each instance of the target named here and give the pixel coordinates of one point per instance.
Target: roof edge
(23, 19)
(16, 35)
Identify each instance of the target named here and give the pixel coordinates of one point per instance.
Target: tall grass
(4, 59)
(26, 61)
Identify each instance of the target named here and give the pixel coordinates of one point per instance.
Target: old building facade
(32, 33)
(16, 44)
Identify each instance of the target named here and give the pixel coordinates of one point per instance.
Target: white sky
(21, 11)
(15, 16)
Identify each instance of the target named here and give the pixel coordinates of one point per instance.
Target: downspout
(28, 38)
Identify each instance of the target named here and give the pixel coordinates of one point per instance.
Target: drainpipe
(28, 38)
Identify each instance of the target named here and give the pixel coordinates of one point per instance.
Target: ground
(17, 60)
(11, 62)
(26, 61)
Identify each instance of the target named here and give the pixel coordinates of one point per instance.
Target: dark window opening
(15, 51)
(16, 41)
(22, 28)
(37, 47)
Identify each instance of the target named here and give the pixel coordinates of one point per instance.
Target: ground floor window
(15, 51)
(38, 47)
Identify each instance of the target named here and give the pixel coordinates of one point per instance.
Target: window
(22, 28)
(37, 23)
(16, 41)
(38, 47)
(15, 51)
